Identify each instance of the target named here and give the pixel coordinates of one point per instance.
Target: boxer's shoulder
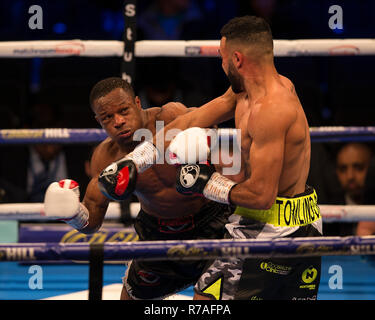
(272, 113)
(105, 153)
(171, 111)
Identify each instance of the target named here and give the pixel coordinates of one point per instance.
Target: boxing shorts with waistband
(273, 278)
(159, 279)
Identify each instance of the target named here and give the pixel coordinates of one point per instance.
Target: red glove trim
(122, 181)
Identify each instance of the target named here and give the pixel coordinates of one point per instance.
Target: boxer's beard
(235, 79)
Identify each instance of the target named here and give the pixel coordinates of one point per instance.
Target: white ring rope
(35, 211)
(178, 48)
(330, 213)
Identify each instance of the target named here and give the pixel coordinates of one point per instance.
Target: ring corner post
(129, 38)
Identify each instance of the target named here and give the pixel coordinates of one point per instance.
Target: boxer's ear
(138, 102)
(237, 59)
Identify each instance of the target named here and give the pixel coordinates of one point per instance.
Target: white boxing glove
(61, 202)
(192, 145)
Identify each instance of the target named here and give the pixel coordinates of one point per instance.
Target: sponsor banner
(49, 49)
(51, 135)
(202, 51)
(66, 234)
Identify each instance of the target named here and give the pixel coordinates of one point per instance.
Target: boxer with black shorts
(165, 214)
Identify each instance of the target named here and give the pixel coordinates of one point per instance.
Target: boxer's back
(297, 141)
(280, 107)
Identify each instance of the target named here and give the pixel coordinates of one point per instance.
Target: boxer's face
(119, 114)
(230, 70)
(352, 166)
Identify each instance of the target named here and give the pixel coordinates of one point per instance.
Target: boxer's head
(244, 41)
(352, 164)
(116, 108)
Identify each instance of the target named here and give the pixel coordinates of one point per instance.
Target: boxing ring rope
(178, 48)
(191, 249)
(35, 212)
(76, 136)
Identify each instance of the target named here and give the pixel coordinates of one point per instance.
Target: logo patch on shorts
(275, 268)
(177, 225)
(309, 276)
(215, 289)
(148, 278)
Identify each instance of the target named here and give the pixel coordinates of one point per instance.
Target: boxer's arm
(267, 129)
(97, 205)
(214, 112)
(94, 200)
(171, 110)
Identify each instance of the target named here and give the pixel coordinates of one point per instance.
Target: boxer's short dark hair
(105, 86)
(249, 30)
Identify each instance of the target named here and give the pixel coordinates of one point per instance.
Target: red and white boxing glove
(192, 145)
(61, 202)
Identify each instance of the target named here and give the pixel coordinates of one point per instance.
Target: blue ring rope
(81, 136)
(193, 249)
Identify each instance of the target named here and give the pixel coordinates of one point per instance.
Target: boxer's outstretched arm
(267, 128)
(214, 112)
(97, 205)
(94, 200)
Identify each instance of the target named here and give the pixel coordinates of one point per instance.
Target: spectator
(40, 164)
(367, 228)
(352, 163)
(47, 162)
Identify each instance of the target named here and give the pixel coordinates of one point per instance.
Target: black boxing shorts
(159, 279)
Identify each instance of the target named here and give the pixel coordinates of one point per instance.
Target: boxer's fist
(61, 202)
(118, 180)
(192, 178)
(202, 179)
(61, 199)
(192, 145)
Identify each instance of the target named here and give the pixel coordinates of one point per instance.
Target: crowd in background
(53, 92)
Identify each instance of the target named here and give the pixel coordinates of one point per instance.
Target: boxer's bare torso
(155, 188)
(279, 110)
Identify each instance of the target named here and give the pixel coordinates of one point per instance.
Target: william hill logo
(17, 254)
